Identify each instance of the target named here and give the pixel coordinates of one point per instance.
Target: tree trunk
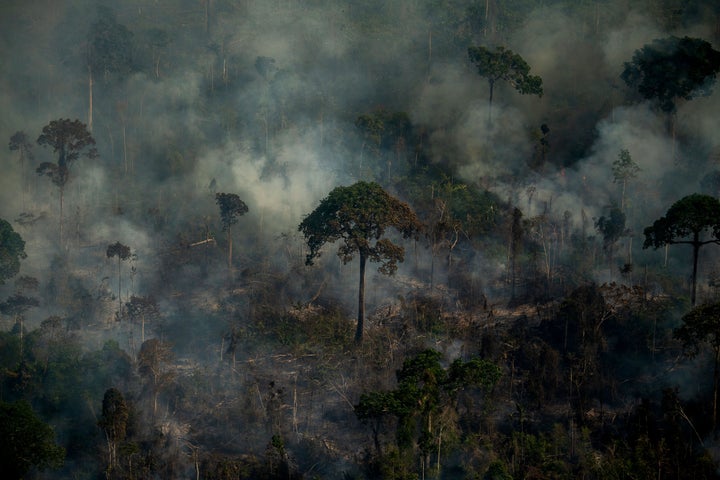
(62, 192)
(361, 300)
(90, 99)
(490, 99)
(716, 380)
(119, 290)
(229, 250)
(696, 251)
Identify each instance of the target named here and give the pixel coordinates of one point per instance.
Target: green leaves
(12, 250)
(672, 68)
(359, 215)
(687, 217)
(504, 64)
(231, 207)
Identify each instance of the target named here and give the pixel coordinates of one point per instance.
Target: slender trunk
(716, 380)
(696, 251)
(361, 300)
(229, 250)
(490, 99)
(119, 290)
(62, 194)
(90, 99)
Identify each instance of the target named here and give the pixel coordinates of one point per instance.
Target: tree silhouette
(115, 414)
(69, 139)
(504, 64)
(122, 252)
(672, 68)
(231, 207)
(683, 223)
(21, 143)
(359, 215)
(12, 250)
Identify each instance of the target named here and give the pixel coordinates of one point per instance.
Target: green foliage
(110, 46)
(504, 64)
(119, 250)
(611, 227)
(69, 139)
(673, 68)
(689, 216)
(231, 207)
(624, 168)
(26, 441)
(12, 250)
(700, 325)
(359, 215)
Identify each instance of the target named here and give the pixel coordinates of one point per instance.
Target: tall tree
(231, 208)
(142, 309)
(12, 250)
(684, 223)
(672, 68)
(21, 143)
(624, 169)
(153, 361)
(109, 52)
(504, 64)
(612, 227)
(702, 326)
(114, 420)
(69, 139)
(359, 215)
(122, 252)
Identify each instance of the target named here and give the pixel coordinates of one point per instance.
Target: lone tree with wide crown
(684, 222)
(359, 215)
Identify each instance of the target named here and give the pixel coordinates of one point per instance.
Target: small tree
(153, 361)
(21, 143)
(623, 170)
(122, 252)
(142, 309)
(504, 64)
(69, 139)
(359, 215)
(12, 250)
(702, 326)
(684, 223)
(612, 227)
(231, 207)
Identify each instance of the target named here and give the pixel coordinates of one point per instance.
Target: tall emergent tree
(702, 326)
(21, 143)
(69, 139)
(231, 207)
(504, 64)
(12, 250)
(121, 251)
(114, 420)
(672, 68)
(684, 222)
(359, 215)
(623, 170)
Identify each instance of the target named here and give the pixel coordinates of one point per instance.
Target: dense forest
(305, 239)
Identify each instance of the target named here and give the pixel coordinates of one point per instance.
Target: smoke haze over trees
(143, 113)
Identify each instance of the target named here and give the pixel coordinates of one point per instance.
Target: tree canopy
(69, 139)
(359, 215)
(683, 223)
(672, 68)
(504, 64)
(12, 250)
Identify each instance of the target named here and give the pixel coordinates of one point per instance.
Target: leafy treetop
(12, 250)
(359, 215)
(673, 68)
(231, 207)
(69, 139)
(687, 217)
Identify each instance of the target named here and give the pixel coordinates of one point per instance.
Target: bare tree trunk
(90, 99)
(361, 300)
